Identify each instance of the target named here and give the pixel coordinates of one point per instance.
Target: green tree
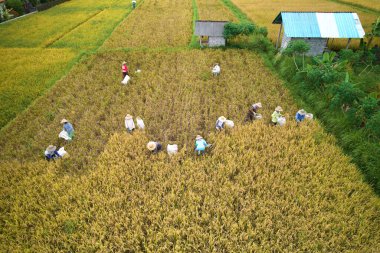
(297, 48)
(346, 95)
(16, 5)
(232, 30)
(375, 32)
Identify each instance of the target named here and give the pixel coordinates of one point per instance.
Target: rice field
(259, 188)
(214, 10)
(153, 25)
(264, 12)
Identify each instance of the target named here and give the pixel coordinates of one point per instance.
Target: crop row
(154, 24)
(214, 10)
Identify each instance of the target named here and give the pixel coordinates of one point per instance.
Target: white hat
(198, 137)
(302, 112)
(124, 62)
(63, 121)
(51, 148)
(258, 104)
(128, 116)
(151, 145)
(278, 108)
(222, 118)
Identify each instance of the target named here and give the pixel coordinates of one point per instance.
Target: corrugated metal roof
(320, 24)
(209, 28)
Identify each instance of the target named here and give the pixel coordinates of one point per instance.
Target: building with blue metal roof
(317, 27)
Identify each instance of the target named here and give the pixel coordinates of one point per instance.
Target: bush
(233, 29)
(373, 125)
(16, 5)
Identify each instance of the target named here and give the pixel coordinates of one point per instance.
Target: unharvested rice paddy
(264, 12)
(259, 188)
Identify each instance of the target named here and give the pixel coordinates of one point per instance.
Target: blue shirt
(52, 155)
(200, 145)
(68, 127)
(219, 124)
(300, 117)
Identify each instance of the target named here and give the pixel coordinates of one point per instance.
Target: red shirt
(124, 68)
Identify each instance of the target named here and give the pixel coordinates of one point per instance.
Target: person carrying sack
(252, 112)
(129, 124)
(68, 128)
(276, 115)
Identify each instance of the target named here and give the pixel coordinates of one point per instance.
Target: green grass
(236, 11)
(194, 42)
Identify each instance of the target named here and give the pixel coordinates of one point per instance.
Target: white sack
(172, 149)
(309, 116)
(229, 123)
(258, 116)
(126, 79)
(64, 135)
(140, 123)
(281, 121)
(62, 151)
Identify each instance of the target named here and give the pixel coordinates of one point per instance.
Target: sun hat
(302, 112)
(151, 145)
(278, 108)
(198, 137)
(124, 62)
(128, 116)
(222, 118)
(258, 104)
(51, 148)
(63, 121)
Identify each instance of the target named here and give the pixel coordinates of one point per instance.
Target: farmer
(129, 124)
(252, 112)
(133, 4)
(51, 153)
(124, 69)
(200, 145)
(276, 115)
(216, 69)
(68, 128)
(154, 146)
(300, 115)
(220, 123)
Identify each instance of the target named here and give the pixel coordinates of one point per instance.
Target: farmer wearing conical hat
(300, 115)
(68, 128)
(252, 112)
(129, 123)
(154, 146)
(124, 69)
(220, 123)
(200, 145)
(276, 115)
(51, 153)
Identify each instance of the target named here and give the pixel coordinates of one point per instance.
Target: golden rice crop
(371, 4)
(26, 74)
(176, 81)
(44, 28)
(214, 10)
(260, 189)
(264, 12)
(155, 23)
(92, 33)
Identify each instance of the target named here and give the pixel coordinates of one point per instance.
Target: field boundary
(239, 14)
(72, 29)
(193, 41)
(358, 6)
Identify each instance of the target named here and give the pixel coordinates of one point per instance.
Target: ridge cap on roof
(317, 12)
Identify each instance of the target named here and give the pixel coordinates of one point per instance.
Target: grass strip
(239, 14)
(194, 41)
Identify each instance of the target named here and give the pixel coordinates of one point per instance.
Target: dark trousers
(124, 74)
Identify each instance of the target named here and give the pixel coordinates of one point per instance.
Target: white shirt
(216, 69)
(129, 124)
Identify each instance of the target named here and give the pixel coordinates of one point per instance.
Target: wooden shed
(210, 32)
(316, 28)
